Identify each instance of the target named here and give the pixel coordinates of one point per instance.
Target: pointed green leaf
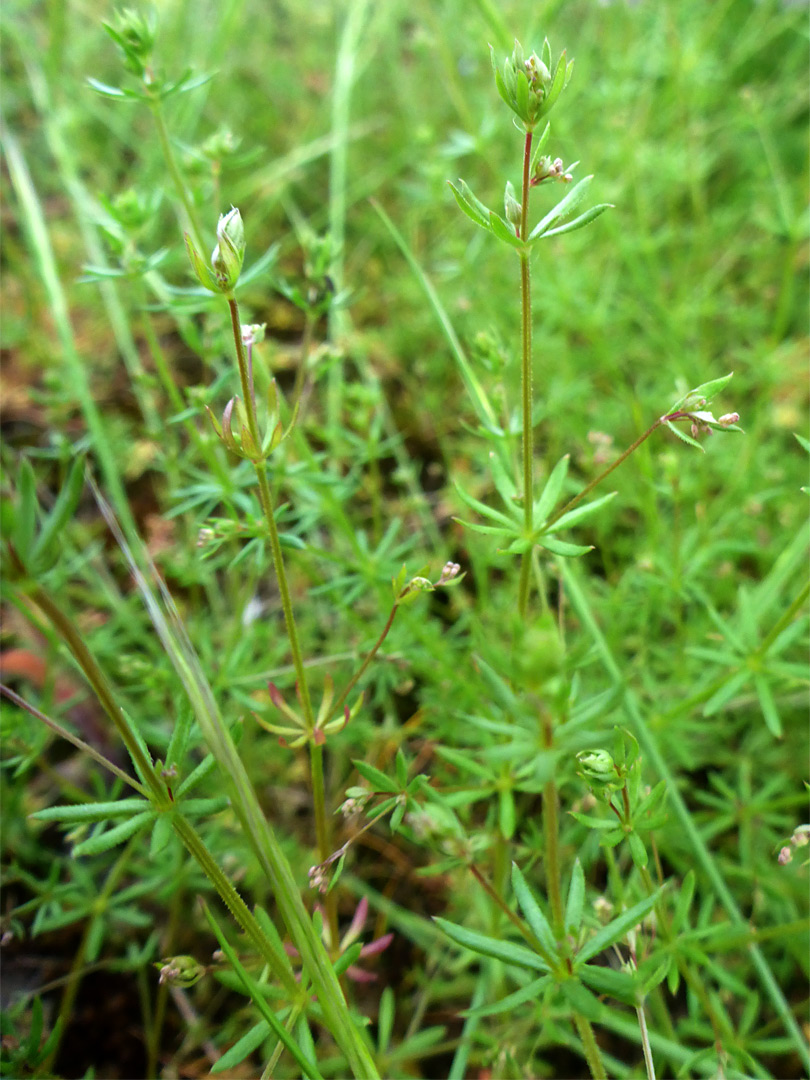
(701, 395)
(63, 510)
(507, 951)
(726, 692)
(25, 517)
(115, 836)
(490, 530)
(616, 930)
(604, 980)
(580, 512)
(533, 914)
(579, 222)
(237, 1053)
(563, 209)
(97, 811)
(377, 779)
(560, 547)
(770, 713)
(161, 835)
(505, 232)
(581, 999)
(576, 900)
(637, 850)
(470, 205)
(512, 1001)
(553, 486)
(593, 822)
(683, 436)
(484, 510)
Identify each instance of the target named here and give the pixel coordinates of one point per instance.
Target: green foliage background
(693, 117)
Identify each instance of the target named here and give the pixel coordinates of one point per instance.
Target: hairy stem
(590, 1046)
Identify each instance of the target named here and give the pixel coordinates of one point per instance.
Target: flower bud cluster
(530, 86)
(546, 169)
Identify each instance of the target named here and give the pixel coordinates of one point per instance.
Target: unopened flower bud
(729, 418)
(228, 255)
(449, 571)
(253, 333)
(511, 205)
(785, 856)
(180, 970)
(596, 764)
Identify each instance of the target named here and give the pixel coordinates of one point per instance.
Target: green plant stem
(80, 744)
(517, 922)
(341, 701)
(157, 790)
(322, 830)
(235, 904)
(603, 475)
(649, 1064)
(103, 691)
(526, 381)
(183, 194)
(551, 855)
(591, 1047)
(266, 500)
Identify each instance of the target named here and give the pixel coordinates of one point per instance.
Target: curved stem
(341, 701)
(603, 475)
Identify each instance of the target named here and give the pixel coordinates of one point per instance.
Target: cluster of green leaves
(686, 622)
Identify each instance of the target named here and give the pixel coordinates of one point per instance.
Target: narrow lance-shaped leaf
(563, 209)
(580, 222)
(561, 547)
(100, 811)
(531, 992)
(580, 512)
(551, 492)
(616, 930)
(113, 837)
(505, 232)
(507, 951)
(683, 436)
(470, 205)
(533, 914)
(576, 899)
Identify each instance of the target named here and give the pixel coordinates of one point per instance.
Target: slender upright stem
(171, 164)
(322, 830)
(645, 1043)
(266, 500)
(551, 829)
(526, 380)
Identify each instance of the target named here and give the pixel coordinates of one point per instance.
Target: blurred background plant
(686, 624)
